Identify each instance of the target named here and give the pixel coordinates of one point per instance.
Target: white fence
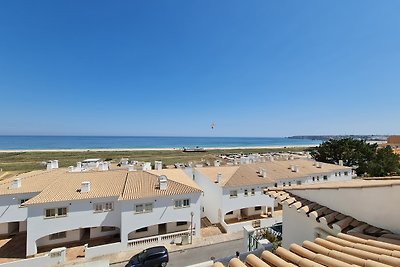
(157, 239)
(54, 257)
(98, 251)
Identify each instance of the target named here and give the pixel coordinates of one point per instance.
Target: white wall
(212, 198)
(298, 227)
(10, 210)
(80, 215)
(3, 228)
(163, 212)
(151, 231)
(377, 206)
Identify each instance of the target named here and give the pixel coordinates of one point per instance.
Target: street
(201, 254)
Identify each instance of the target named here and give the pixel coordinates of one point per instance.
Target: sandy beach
(149, 149)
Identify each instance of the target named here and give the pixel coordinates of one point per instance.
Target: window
(181, 223)
(313, 179)
(105, 206)
(290, 183)
(340, 174)
(144, 208)
(257, 208)
(246, 193)
(253, 191)
(346, 173)
(325, 177)
(144, 229)
(107, 228)
(284, 184)
(58, 235)
(335, 173)
(55, 212)
(229, 213)
(233, 193)
(318, 178)
(276, 184)
(182, 203)
(22, 201)
(298, 182)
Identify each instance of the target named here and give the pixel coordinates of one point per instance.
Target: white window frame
(103, 206)
(233, 194)
(144, 208)
(253, 192)
(59, 235)
(182, 203)
(246, 193)
(58, 212)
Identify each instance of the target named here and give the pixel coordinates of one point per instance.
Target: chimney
(294, 168)
(219, 177)
(85, 187)
(318, 164)
(163, 181)
(146, 166)
(16, 183)
(103, 166)
(263, 173)
(49, 166)
(54, 164)
(131, 168)
(217, 163)
(340, 162)
(158, 165)
(78, 166)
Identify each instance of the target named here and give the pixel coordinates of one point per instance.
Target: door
(162, 229)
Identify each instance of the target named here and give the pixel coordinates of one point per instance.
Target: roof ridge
(233, 174)
(173, 180)
(121, 196)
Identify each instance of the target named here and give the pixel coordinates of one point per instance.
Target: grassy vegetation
(28, 161)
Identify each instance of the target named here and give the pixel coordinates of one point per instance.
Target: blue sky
(255, 68)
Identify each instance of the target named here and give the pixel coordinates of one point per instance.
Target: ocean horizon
(39, 142)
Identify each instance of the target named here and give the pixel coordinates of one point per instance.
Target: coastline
(150, 149)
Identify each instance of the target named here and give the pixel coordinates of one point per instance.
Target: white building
(234, 195)
(347, 223)
(130, 208)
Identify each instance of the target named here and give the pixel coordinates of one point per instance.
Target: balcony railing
(157, 239)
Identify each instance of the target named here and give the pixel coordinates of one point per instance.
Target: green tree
(365, 158)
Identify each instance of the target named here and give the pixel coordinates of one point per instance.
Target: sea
(8, 142)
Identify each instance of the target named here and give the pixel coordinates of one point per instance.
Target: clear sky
(255, 68)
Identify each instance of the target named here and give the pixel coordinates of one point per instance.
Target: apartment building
(234, 195)
(55, 207)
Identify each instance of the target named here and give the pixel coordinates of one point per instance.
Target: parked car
(151, 257)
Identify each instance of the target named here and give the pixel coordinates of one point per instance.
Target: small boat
(194, 149)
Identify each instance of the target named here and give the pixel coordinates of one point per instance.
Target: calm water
(91, 142)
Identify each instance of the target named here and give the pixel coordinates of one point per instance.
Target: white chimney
(264, 173)
(217, 163)
(131, 168)
(163, 181)
(78, 166)
(158, 165)
(49, 166)
(219, 177)
(318, 164)
(54, 164)
(70, 168)
(146, 166)
(16, 183)
(340, 162)
(296, 168)
(103, 166)
(292, 168)
(85, 187)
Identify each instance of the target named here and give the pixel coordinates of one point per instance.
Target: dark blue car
(151, 257)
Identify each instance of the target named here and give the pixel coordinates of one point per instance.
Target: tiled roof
(247, 174)
(145, 184)
(342, 250)
(354, 244)
(67, 186)
(34, 181)
(60, 185)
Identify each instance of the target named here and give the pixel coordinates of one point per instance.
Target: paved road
(201, 254)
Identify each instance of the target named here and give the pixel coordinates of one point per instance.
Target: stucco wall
(80, 215)
(10, 210)
(73, 235)
(212, 197)
(96, 232)
(163, 212)
(368, 204)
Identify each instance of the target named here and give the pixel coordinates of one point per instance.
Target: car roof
(156, 249)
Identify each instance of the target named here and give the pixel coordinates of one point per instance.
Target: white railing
(238, 226)
(157, 239)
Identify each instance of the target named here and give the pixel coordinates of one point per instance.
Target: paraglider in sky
(213, 125)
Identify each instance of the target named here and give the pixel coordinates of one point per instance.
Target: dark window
(325, 177)
(276, 184)
(298, 182)
(107, 228)
(257, 208)
(144, 229)
(181, 223)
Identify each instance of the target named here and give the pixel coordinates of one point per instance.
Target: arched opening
(159, 229)
(93, 236)
(248, 214)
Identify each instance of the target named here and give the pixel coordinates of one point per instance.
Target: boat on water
(194, 149)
